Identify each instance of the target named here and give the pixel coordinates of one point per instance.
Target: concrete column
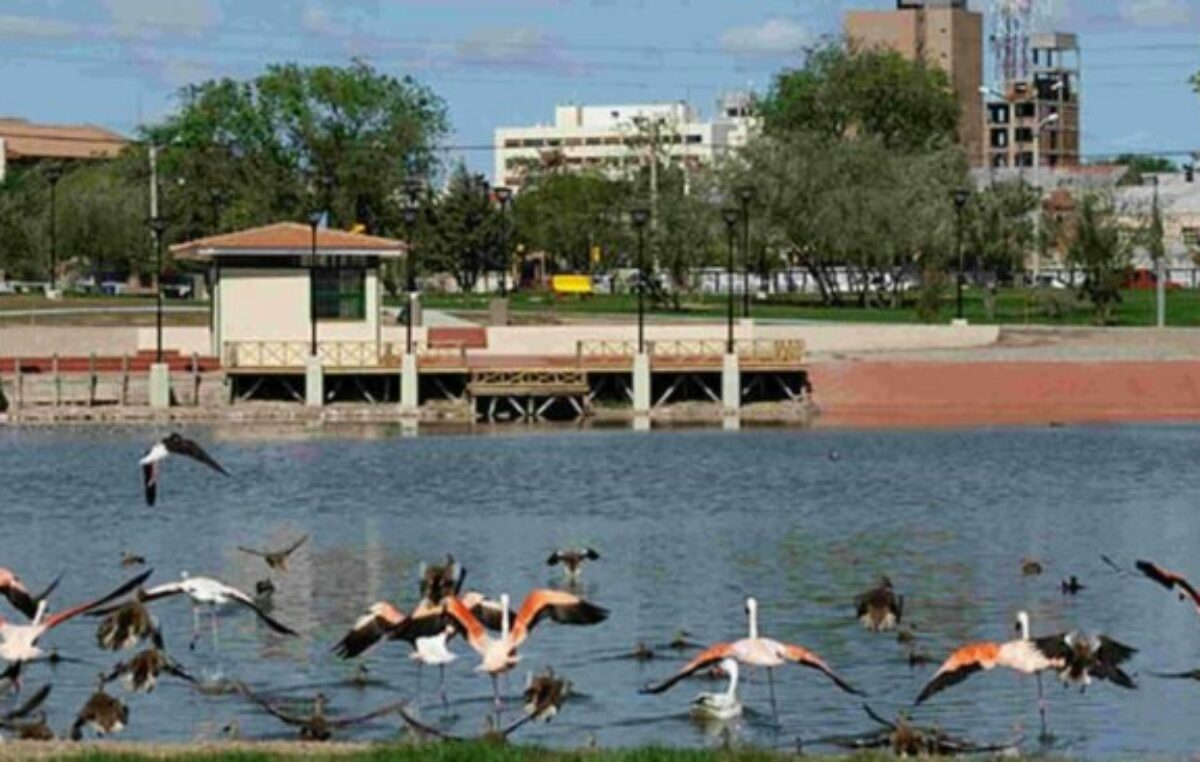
(642, 423)
(160, 386)
(409, 384)
(731, 384)
(314, 382)
(641, 383)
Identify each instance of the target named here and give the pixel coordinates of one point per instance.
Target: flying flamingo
(19, 642)
(1077, 658)
(499, 655)
(428, 631)
(754, 651)
(12, 588)
(214, 594)
(1171, 581)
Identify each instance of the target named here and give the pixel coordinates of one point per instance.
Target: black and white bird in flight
(172, 444)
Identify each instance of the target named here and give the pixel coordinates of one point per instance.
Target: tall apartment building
(616, 139)
(1040, 101)
(943, 33)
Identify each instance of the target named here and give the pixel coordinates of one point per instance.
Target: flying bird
(437, 581)
(126, 626)
(103, 713)
(572, 560)
(140, 674)
(880, 609)
(12, 588)
(317, 726)
(1171, 581)
(173, 444)
(276, 559)
(19, 642)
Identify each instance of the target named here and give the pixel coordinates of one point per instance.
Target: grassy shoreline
(477, 751)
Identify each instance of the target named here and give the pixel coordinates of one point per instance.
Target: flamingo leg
(771, 683)
(195, 627)
(216, 642)
(442, 686)
(1042, 709)
(496, 693)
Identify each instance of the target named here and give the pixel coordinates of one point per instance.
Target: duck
(140, 674)
(880, 609)
(317, 726)
(103, 713)
(127, 626)
(572, 560)
(276, 560)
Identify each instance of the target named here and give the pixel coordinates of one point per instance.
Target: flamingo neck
(1024, 620)
(753, 614)
(504, 617)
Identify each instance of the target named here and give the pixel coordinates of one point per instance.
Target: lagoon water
(687, 522)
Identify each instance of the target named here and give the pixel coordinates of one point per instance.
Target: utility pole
(1157, 251)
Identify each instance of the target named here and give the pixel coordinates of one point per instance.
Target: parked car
(1143, 279)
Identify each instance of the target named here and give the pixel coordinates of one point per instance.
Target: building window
(1026, 109)
(340, 293)
(695, 139)
(532, 143)
(1191, 237)
(1023, 135)
(999, 138)
(512, 143)
(593, 141)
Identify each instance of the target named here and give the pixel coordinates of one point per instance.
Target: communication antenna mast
(1013, 22)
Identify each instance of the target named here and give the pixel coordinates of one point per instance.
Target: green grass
(1013, 306)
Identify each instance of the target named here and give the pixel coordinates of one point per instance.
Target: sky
(119, 63)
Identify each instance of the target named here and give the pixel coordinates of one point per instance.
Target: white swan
(720, 706)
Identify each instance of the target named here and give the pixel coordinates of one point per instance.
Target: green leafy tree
(462, 234)
(568, 215)
(999, 230)
(294, 139)
(843, 92)
(1100, 248)
(1140, 165)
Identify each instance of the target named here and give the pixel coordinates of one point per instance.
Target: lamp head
(745, 193)
(639, 216)
(503, 194)
(731, 215)
(961, 197)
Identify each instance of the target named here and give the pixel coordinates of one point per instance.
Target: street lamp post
(503, 197)
(961, 197)
(1037, 182)
(314, 223)
(731, 215)
(640, 217)
(54, 173)
(410, 272)
(745, 195)
(158, 227)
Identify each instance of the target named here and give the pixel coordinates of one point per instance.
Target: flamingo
(19, 642)
(12, 588)
(499, 655)
(173, 444)
(212, 593)
(720, 706)
(880, 609)
(1171, 581)
(1077, 658)
(754, 651)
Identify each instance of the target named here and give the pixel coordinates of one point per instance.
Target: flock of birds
(496, 633)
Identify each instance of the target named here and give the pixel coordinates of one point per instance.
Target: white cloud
(510, 47)
(775, 36)
(25, 27)
(151, 18)
(1156, 13)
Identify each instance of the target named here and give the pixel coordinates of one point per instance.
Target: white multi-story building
(616, 139)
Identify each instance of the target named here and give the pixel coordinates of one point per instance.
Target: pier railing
(750, 352)
(267, 355)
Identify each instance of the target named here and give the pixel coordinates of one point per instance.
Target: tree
(295, 139)
(462, 230)
(568, 215)
(998, 231)
(843, 93)
(1140, 165)
(1099, 247)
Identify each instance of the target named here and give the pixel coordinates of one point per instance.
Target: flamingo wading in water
(754, 651)
(1077, 658)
